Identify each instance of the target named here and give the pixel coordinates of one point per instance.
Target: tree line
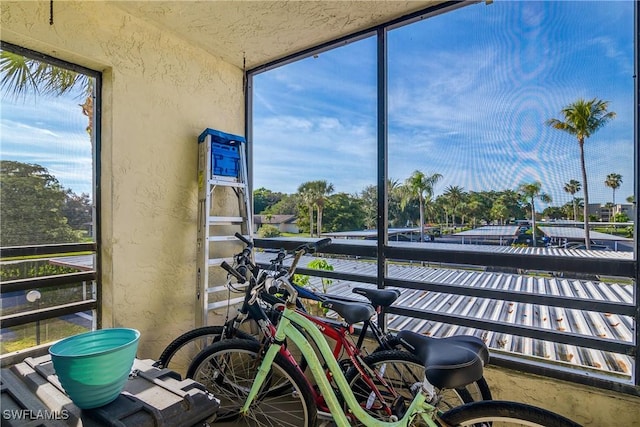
(37, 210)
(412, 202)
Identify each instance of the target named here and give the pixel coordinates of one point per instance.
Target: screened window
(47, 208)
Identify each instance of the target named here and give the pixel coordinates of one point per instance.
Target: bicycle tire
(405, 373)
(228, 368)
(478, 390)
(178, 355)
(479, 414)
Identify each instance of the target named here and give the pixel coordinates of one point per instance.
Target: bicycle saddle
(351, 312)
(378, 297)
(451, 362)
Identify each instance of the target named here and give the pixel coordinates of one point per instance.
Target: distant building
(284, 223)
(604, 212)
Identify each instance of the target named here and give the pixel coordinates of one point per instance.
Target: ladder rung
(225, 183)
(225, 219)
(216, 289)
(222, 238)
(221, 304)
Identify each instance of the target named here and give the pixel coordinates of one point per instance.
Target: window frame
(383, 250)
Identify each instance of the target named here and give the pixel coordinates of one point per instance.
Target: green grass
(37, 257)
(285, 234)
(50, 330)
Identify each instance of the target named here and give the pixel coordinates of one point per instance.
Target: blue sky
(469, 92)
(49, 131)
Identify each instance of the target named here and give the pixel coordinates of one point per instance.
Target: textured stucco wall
(159, 94)
(588, 406)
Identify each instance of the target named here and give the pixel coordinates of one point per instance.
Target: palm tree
(531, 192)
(419, 186)
(455, 195)
(582, 119)
(613, 181)
(313, 194)
(21, 75)
(320, 189)
(499, 211)
(474, 206)
(572, 187)
(307, 196)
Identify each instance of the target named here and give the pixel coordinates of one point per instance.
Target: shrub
(268, 230)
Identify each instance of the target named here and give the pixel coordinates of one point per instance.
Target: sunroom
(340, 92)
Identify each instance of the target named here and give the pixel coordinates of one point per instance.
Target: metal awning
(490, 231)
(578, 233)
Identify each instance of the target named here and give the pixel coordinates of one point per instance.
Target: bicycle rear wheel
(178, 355)
(404, 373)
(478, 390)
(497, 413)
(228, 369)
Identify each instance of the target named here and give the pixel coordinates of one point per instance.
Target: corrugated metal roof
(491, 231)
(578, 233)
(548, 251)
(604, 325)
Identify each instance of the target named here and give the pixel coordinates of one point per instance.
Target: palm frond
(16, 75)
(20, 75)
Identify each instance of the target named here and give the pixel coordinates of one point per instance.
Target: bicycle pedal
(399, 407)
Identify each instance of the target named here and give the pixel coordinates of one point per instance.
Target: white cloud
(49, 132)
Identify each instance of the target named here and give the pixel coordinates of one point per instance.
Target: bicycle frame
(305, 293)
(286, 329)
(376, 331)
(335, 333)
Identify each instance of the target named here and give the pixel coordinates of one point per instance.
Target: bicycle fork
(265, 364)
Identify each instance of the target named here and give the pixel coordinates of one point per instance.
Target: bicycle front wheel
(497, 413)
(228, 369)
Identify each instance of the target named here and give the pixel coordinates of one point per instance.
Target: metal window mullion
(383, 149)
(636, 149)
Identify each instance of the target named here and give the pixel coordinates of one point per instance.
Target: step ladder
(224, 208)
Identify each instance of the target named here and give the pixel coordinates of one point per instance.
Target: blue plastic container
(225, 155)
(225, 160)
(93, 367)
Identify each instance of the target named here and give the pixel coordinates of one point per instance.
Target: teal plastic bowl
(93, 367)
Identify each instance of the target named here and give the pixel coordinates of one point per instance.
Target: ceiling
(262, 31)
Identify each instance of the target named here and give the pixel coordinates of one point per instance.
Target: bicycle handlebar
(244, 240)
(321, 244)
(233, 272)
(243, 260)
(314, 246)
(274, 285)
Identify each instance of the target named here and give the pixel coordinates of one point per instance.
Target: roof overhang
(248, 34)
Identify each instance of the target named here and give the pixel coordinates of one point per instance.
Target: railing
(449, 256)
(77, 258)
(476, 257)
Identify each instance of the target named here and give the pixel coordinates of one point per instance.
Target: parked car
(527, 239)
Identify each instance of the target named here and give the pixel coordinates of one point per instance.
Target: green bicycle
(253, 379)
